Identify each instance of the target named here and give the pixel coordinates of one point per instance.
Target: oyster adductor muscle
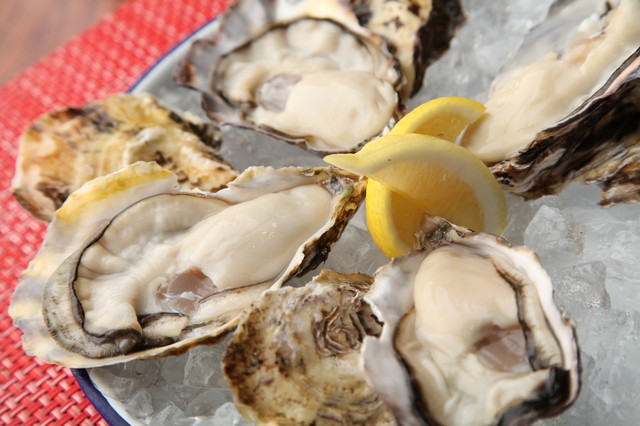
(569, 112)
(65, 148)
(471, 334)
(127, 272)
(294, 356)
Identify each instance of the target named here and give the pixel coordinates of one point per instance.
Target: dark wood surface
(30, 29)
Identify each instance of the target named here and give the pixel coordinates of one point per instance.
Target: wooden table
(33, 28)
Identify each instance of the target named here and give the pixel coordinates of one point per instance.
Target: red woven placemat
(107, 58)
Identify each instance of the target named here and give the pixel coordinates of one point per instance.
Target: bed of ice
(592, 255)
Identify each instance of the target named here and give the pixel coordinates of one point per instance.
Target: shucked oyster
(558, 114)
(471, 334)
(133, 267)
(332, 91)
(313, 71)
(293, 359)
(65, 148)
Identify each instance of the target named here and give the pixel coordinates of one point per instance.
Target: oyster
(569, 115)
(65, 148)
(313, 71)
(133, 267)
(288, 86)
(473, 321)
(294, 356)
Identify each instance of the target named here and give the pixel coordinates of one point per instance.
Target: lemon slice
(444, 118)
(411, 174)
(392, 219)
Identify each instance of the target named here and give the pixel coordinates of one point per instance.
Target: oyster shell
(133, 267)
(268, 59)
(293, 359)
(65, 148)
(556, 116)
(417, 31)
(471, 333)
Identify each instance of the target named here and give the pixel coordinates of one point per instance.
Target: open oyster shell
(293, 359)
(471, 334)
(133, 267)
(65, 148)
(568, 107)
(317, 72)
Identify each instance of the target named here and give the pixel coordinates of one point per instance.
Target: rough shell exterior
(65, 148)
(418, 31)
(294, 356)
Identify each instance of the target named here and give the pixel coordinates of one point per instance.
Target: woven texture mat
(107, 58)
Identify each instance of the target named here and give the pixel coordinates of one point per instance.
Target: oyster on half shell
(317, 72)
(471, 334)
(133, 267)
(293, 359)
(566, 113)
(65, 148)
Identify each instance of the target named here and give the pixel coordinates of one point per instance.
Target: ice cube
(520, 214)
(170, 414)
(616, 378)
(140, 405)
(203, 368)
(207, 401)
(172, 369)
(581, 288)
(555, 236)
(602, 330)
(355, 252)
(119, 388)
(227, 415)
(623, 284)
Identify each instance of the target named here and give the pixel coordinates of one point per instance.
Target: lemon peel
(410, 174)
(444, 118)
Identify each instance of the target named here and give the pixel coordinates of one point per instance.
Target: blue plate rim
(148, 73)
(99, 401)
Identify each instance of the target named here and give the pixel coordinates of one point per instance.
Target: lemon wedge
(444, 118)
(410, 174)
(392, 219)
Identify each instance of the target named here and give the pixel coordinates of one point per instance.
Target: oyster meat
(569, 113)
(316, 72)
(293, 359)
(134, 267)
(471, 334)
(292, 84)
(65, 148)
